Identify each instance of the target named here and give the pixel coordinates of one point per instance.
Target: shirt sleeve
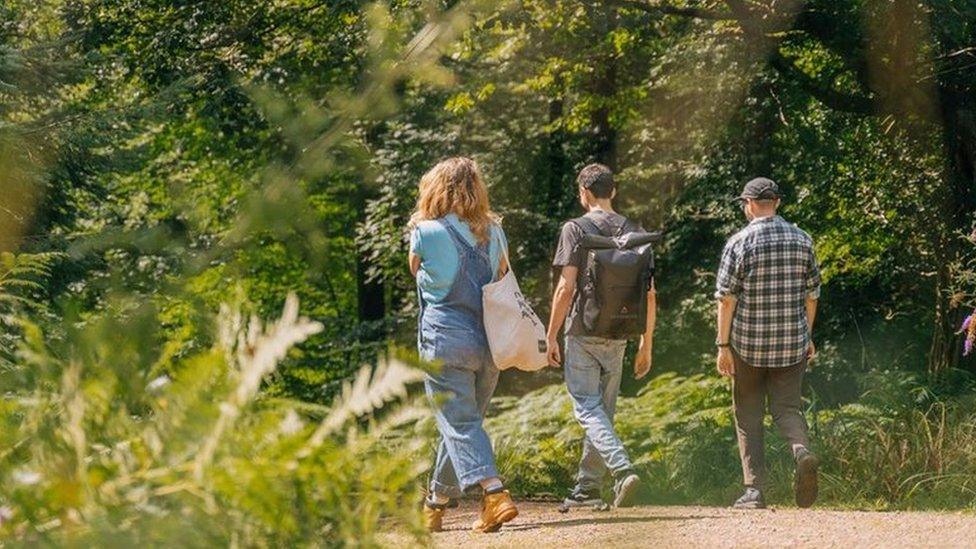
(813, 275)
(416, 242)
(567, 251)
(730, 272)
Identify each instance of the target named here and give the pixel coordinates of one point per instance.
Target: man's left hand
(552, 353)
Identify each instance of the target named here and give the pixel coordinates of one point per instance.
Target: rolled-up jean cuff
(474, 476)
(453, 492)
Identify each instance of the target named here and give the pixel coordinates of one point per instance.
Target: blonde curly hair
(455, 186)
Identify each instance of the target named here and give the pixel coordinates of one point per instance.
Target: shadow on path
(601, 521)
(525, 526)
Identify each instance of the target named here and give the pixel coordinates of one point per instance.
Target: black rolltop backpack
(614, 278)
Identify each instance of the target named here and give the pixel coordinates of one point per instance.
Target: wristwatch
(719, 344)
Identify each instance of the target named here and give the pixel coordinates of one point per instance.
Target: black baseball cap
(760, 188)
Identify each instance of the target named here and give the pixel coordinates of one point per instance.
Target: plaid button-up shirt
(771, 268)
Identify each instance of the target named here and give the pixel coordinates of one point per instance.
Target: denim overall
(452, 332)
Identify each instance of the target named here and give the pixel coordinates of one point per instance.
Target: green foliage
(162, 159)
(97, 452)
(678, 432)
(902, 447)
(186, 178)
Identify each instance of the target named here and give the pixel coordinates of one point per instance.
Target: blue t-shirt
(439, 258)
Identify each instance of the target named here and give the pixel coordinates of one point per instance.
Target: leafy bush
(903, 447)
(678, 431)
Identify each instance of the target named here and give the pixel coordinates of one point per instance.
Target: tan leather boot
(496, 509)
(434, 518)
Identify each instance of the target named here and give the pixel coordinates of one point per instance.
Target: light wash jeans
(464, 455)
(593, 367)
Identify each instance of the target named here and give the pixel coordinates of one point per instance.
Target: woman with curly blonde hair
(456, 247)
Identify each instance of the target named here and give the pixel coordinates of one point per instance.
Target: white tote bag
(516, 336)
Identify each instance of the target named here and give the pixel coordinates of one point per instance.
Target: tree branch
(665, 9)
(740, 11)
(751, 24)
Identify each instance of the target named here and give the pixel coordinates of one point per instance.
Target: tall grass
(916, 458)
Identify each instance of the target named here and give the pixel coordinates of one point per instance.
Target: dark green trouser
(751, 388)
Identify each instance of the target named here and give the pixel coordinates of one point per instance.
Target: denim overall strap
(420, 318)
(474, 271)
(464, 248)
(452, 329)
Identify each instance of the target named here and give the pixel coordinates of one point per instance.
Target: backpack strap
(588, 226)
(591, 226)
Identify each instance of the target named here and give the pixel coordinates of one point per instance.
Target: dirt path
(541, 525)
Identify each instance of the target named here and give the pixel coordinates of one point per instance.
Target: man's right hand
(552, 353)
(725, 364)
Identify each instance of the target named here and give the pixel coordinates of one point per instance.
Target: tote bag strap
(504, 255)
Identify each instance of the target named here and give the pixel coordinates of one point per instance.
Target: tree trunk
(371, 294)
(557, 167)
(959, 130)
(605, 87)
(944, 349)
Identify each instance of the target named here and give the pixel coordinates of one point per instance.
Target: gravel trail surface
(541, 525)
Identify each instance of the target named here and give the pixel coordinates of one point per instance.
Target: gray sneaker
(751, 499)
(625, 490)
(805, 482)
(580, 498)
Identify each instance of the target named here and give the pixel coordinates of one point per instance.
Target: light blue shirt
(439, 258)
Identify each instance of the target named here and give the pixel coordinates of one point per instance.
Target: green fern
(21, 276)
(21, 285)
(96, 451)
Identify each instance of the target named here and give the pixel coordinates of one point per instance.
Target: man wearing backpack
(767, 288)
(605, 295)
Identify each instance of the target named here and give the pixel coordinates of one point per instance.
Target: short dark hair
(598, 179)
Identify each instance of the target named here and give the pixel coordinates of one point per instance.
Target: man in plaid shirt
(767, 290)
